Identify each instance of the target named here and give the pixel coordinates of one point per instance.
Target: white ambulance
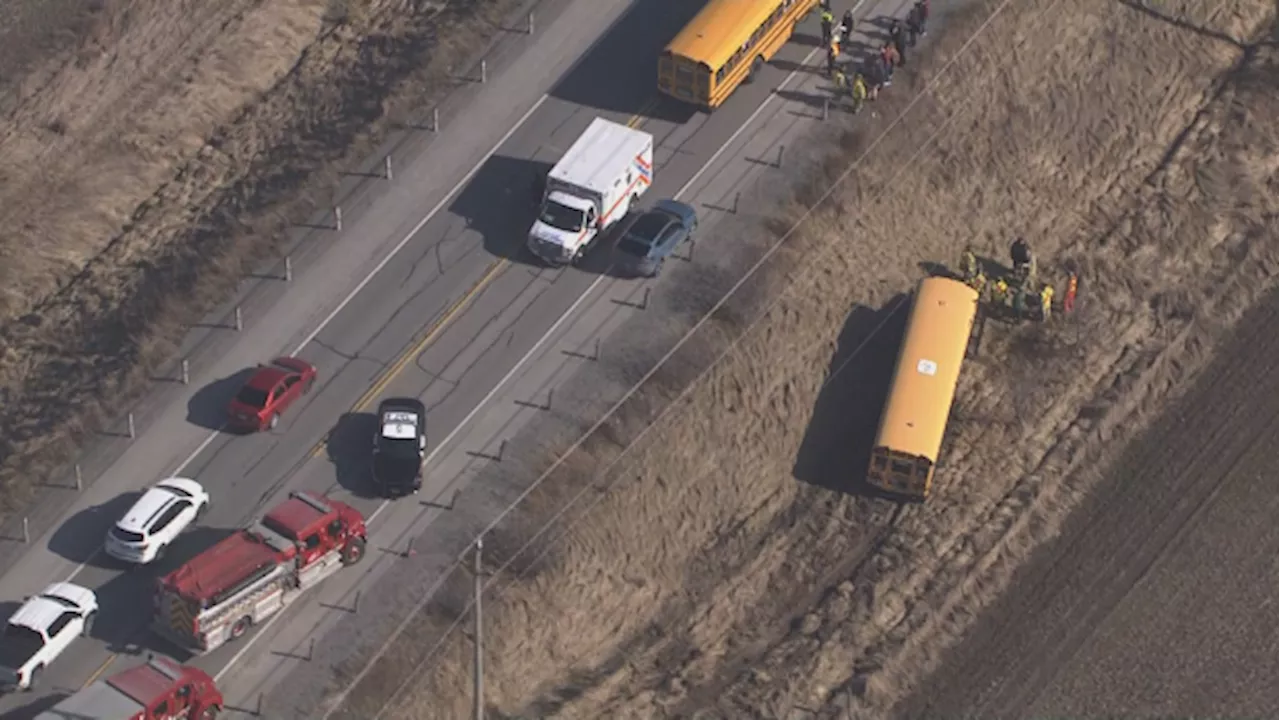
(593, 186)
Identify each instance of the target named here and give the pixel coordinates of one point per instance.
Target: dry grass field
(150, 150)
(728, 572)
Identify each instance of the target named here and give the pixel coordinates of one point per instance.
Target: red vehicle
(224, 591)
(269, 392)
(160, 690)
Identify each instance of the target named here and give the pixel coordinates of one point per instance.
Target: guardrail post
(337, 217)
(288, 269)
(435, 120)
(355, 604)
(826, 107)
(26, 531)
(239, 320)
(596, 354)
(186, 372)
(530, 30)
(132, 435)
(550, 394)
(258, 711)
(693, 242)
(644, 303)
(79, 478)
(311, 651)
(484, 71)
(386, 161)
(781, 148)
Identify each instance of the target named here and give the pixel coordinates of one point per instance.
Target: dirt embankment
(1138, 147)
(150, 151)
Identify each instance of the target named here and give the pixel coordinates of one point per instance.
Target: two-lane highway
(456, 314)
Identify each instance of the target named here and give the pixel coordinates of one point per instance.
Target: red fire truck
(246, 578)
(160, 690)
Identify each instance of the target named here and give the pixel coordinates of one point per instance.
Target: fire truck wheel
(353, 552)
(210, 713)
(275, 420)
(241, 627)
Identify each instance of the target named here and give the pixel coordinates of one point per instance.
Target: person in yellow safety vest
(1046, 302)
(858, 91)
(841, 82)
(827, 21)
(968, 264)
(1000, 292)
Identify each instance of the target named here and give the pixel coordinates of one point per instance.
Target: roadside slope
(708, 579)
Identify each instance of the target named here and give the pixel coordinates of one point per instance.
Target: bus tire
(756, 66)
(353, 552)
(241, 627)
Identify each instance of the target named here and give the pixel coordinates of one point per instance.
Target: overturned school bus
(905, 454)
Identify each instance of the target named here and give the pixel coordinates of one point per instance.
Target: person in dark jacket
(898, 36)
(923, 7)
(913, 25)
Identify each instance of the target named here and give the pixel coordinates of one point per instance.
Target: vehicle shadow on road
(500, 204)
(837, 444)
(80, 538)
(127, 597)
(350, 449)
(33, 709)
(619, 73)
(207, 407)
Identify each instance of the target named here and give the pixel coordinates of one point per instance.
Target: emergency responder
(858, 92)
(898, 36)
(1000, 292)
(846, 23)
(1020, 253)
(841, 83)
(827, 20)
(922, 6)
(1018, 298)
(968, 264)
(833, 56)
(1046, 302)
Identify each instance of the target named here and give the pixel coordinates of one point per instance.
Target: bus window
(724, 42)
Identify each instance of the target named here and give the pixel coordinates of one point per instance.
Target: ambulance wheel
(34, 681)
(88, 623)
(353, 552)
(275, 420)
(756, 66)
(241, 627)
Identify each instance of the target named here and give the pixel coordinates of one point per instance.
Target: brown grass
(1140, 149)
(159, 149)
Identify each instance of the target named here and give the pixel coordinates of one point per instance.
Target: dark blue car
(655, 235)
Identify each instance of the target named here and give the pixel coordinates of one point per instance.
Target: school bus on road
(727, 43)
(905, 454)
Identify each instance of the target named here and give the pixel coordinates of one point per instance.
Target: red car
(270, 391)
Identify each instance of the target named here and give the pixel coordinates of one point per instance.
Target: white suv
(41, 629)
(159, 516)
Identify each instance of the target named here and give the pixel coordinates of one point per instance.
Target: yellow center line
(442, 323)
(101, 669)
(434, 332)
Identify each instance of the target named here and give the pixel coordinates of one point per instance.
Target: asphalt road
(425, 292)
(1159, 599)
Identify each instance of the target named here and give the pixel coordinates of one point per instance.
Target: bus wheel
(756, 66)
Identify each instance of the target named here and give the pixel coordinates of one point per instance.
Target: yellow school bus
(726, 43)
(915, 415)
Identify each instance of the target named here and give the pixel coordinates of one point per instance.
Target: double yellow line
(442, 323)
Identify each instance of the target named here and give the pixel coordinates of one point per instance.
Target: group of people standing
(864, 83)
